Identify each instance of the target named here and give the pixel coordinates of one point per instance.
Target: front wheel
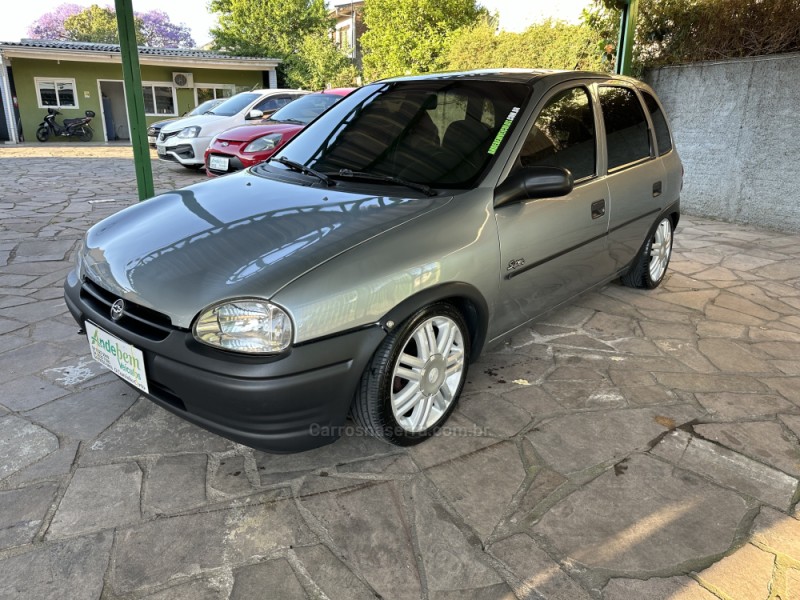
(415, 377)
(86, 134)
(43, 133)
(650, 266)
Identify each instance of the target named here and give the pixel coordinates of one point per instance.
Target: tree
(158, 31)
(50, 26)
(319, 64)
(94, 24)
(409, 36)
(71, 22)
(267, 28)
(545, 45)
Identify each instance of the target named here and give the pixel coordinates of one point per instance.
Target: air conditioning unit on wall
(183, 80)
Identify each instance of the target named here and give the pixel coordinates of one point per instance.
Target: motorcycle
(71, 127)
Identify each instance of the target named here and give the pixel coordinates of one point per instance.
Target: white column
(8, 104)
(273, 78)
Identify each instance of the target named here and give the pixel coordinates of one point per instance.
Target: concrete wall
(737, 128)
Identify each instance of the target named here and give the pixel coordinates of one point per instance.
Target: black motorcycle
(71, 127)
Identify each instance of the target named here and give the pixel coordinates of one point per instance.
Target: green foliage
(267, 28)
(319, 64)
(546, 45)
(682, 31)
(95, 24)
(409, 36)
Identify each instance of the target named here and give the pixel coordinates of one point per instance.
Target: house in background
(348, 29)
(75, 77)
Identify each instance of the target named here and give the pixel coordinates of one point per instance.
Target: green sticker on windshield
(498, 139)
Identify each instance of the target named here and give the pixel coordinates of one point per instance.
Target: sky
(515, 15)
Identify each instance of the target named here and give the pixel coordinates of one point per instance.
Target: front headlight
(267, 142)
(252, 326)
(190, 132)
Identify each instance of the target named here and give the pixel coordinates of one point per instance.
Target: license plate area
(120, 357)
(218, 163)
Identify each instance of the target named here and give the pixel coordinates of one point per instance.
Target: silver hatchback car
(361, 269)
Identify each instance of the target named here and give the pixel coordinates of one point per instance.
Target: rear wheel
(650, 266)
(415, 377)
(86, 134)
(43, 133)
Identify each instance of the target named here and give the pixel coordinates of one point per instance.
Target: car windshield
(204, 108)
(437, 132)
(235, 104)
(306, 108)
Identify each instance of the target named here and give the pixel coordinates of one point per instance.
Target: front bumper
(186, 151)
(276, 404)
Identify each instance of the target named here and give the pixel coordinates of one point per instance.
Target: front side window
(563, 135)
(159, 100)
(56, 93)
(442, 133)
(663, 138)
(272, 104)
(627, 136)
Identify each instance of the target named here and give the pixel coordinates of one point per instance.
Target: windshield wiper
(296, 166)
(421, 187)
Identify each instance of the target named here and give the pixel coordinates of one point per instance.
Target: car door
(554, 248)
(636, 178)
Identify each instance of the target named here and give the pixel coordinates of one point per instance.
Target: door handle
(598, 208)
(656, 189)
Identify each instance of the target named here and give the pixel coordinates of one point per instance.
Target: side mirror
(254, 114)
(530, 183)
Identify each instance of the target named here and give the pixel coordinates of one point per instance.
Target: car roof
(271, 91)
(527, 76)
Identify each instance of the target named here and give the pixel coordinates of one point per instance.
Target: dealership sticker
(503, 130)
(118, 356)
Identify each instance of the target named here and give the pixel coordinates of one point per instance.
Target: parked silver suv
(365, 265)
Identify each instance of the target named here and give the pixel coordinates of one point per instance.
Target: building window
(159, 99)
(212, 91)
(56, 93)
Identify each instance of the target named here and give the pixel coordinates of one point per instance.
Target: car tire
(408, 391)
(42, 134)
(650, 265)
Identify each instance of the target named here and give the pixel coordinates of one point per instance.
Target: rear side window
(563, 135)
(627, 137)
(659, 123)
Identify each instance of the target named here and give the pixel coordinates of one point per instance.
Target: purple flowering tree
(153, 28)
(158, 31)
(50, 26)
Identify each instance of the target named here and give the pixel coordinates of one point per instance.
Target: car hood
(165, 122)
(237, 236)
(247, 133)
(201, 120)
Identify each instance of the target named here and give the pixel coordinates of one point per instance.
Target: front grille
(165, 136)
(137, 319)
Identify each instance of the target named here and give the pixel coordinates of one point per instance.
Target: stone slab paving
(632, 445)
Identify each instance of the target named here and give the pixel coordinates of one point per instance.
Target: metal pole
(132, 76)
(627, 36)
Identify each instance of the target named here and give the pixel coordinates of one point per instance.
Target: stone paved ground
(634, 445)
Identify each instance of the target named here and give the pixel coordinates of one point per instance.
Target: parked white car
(185, 141)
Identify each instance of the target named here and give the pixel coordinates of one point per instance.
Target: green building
(75, 77)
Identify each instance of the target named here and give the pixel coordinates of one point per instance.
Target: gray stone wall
(737, 127)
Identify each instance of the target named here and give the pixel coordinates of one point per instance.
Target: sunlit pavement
(633, 445)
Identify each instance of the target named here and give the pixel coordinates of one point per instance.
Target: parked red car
(245, 146)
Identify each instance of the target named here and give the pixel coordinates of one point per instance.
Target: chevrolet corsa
(361, 269)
